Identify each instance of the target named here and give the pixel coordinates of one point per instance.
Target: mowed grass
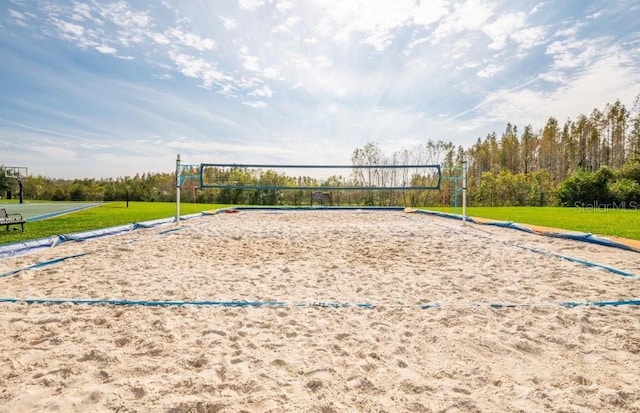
(612, 222)
(104, 216)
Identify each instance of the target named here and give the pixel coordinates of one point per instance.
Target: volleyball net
(298, 184)
(319, 177)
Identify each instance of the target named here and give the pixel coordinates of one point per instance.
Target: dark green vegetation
(595, 219)
(104, 216)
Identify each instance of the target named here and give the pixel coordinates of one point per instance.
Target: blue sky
(93, 89)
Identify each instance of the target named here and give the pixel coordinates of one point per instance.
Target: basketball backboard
(16, 172)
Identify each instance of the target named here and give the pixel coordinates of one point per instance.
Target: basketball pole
(464, 191)
(178, 189)
(20, 190)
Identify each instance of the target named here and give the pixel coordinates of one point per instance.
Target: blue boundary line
(583, 262)
(564, 257)
(18, 248)
(42, 264)
(584, 237)
(311, 304)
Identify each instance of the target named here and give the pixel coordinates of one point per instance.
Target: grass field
(613, 222)
(622, 223)
(108, 215)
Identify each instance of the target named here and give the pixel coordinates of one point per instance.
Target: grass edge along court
(624, 223)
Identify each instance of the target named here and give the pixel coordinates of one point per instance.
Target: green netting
(319, 177)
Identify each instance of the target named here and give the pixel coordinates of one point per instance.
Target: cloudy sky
(111, 88)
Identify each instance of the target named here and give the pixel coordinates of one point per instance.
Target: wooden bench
(322, 197)
(8, 220)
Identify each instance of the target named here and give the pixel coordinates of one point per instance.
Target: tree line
(592, 158)
(586, 159)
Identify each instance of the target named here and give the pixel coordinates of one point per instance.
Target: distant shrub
(586, 187)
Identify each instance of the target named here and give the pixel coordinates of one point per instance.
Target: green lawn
(622, 223)
(617, 222)
(104, 216)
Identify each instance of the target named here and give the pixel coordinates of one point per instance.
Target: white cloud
(191, 40)
(251, 63)
(229, 23)
(57, 152)
(470, 15)
(594, 15)
(470, 65)
(304, 62)
(69, 29)
(570, 54)
(413, 44)
(19, 18)
(287, 26)
(198, 68)
(429, 12)
(74, 33)
(95, 145)
(263, 92)
(380, 40)
(374, 20)
(120, 14)
(208, 145)
(250, 4)
(16, 14)
(256, 105)
(553, 77)
(271, 73)
(93, 26)
(513, 26)
(605, 80)
(490, 99)
(159, 38)
(106, 49)
(504, 26)
(537, 7)
(459, 50)
(530, 37)
(81, 11)
(570, 31)
(322, 61)
(284, 5)
(489, 70)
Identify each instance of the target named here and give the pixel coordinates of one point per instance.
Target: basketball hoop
(17, 173)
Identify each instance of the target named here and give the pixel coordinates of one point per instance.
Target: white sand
(464, 356)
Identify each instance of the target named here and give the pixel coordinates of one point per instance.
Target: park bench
(8, 220)
(321, 197)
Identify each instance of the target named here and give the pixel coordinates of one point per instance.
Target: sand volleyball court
(320, 311)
